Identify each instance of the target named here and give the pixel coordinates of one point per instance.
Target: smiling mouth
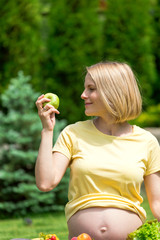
(87, 104)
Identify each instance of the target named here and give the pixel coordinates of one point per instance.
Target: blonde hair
(118, 89)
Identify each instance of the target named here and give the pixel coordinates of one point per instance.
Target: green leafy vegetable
(150, 230)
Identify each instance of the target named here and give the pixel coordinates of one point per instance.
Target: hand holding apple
(54, 100)
(47, 114)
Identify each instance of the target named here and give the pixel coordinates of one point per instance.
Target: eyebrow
(90, 85)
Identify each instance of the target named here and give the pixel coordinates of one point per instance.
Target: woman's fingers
(50, 109)
(40, 101)
(46, 113)
(47, 117)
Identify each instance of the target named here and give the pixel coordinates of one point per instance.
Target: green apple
(54, 100)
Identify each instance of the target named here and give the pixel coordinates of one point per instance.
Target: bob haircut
(118, 89)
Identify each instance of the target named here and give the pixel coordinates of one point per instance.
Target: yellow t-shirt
(107, 171)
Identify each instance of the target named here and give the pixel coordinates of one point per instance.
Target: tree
(20, 131)
(20, 41)
(73, 42)
(128, 36)
(155, 12)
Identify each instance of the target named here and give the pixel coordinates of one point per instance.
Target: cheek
(100, 105)
(94, 96)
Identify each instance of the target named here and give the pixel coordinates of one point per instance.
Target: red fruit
(74, 238)
(53, 238)
(84, 236)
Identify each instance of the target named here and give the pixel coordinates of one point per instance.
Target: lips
(87, 103)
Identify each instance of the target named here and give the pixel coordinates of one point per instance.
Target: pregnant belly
(103, 223)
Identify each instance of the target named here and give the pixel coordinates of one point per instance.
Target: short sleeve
(64, 143)
(153, 163)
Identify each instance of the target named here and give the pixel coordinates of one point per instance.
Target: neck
(111, 128)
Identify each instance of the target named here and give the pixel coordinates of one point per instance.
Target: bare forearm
(44, 164)
(156, 210)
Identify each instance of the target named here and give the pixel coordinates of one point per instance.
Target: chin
(89, 114)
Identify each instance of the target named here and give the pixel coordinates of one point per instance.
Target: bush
(149, 118)
(20, 131)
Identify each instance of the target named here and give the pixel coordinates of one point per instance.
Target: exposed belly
(103, 223)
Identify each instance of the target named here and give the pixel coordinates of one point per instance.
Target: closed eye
(92, 89)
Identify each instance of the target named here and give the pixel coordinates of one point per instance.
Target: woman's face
(94, 106)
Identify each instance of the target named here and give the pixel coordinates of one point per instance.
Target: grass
(46, 223)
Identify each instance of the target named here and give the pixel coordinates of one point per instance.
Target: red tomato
(84, 236)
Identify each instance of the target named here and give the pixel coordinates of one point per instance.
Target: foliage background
(45, 46)
(20, 131)
(53, 42)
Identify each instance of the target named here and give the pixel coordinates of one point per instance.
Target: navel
(103, 229)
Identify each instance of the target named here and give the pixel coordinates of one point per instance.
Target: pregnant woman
(108, 158)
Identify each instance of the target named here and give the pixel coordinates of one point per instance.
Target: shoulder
(146, 135)
(144, 132)
(78, 126)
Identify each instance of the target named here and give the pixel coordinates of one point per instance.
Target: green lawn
(47, 223)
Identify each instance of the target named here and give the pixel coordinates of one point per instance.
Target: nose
(83, 95)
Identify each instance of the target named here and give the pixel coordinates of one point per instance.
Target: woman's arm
(50, 167)
(152, 186)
